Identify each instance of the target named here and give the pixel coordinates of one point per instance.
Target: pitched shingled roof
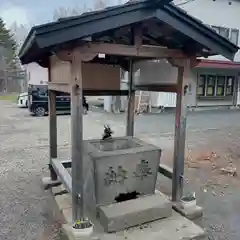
(182, 31)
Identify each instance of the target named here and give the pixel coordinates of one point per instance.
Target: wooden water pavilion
(84, 55)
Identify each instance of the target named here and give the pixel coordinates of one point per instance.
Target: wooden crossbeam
(144, 51)
(60, 87)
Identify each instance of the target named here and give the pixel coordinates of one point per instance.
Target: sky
(36, 11)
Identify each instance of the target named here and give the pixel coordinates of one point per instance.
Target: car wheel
(39, 111)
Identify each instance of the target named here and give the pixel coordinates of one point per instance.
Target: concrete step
(174, 227)
(119, 216)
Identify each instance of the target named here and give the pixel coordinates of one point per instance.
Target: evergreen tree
(9, 44)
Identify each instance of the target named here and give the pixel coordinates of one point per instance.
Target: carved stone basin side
(119, 165)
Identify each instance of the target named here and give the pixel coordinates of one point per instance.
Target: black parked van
(38, 101)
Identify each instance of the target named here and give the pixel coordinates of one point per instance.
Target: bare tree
(63, 12)
(99, 4)
(19, 32)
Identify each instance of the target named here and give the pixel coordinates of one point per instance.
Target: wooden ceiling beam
(163, 29)
(138, 35)
(180, 63)
(91, 50)
(60, 87)
(143, 51)
(154, 41)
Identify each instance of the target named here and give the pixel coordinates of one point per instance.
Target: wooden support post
(180, 132)
(137, 41)
(77, 138)
(52, 127)
(131, 102)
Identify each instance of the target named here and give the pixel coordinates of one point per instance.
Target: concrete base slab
(173, 228)
(210, 108)
(190, 213)
(48, 183)
(119, 216)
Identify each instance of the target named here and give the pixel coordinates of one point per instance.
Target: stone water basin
(118, 166)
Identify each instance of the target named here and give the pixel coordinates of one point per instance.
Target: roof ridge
(43, 36)
(163, 2)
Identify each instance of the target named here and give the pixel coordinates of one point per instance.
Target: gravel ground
(24, 205)
(213, 140)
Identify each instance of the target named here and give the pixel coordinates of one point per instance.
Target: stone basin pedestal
(121, 172)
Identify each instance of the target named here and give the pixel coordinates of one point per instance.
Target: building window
(229, 86)
(222, 31)
(211, 80)
(229, 33)
(220, 85)
(201, 85)
(234, 36)
(215, 28)
(215, 85)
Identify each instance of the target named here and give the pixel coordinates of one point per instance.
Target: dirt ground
(212, 167)
(212, 171)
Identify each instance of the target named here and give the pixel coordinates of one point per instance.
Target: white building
(36, 74)
(215, 81)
